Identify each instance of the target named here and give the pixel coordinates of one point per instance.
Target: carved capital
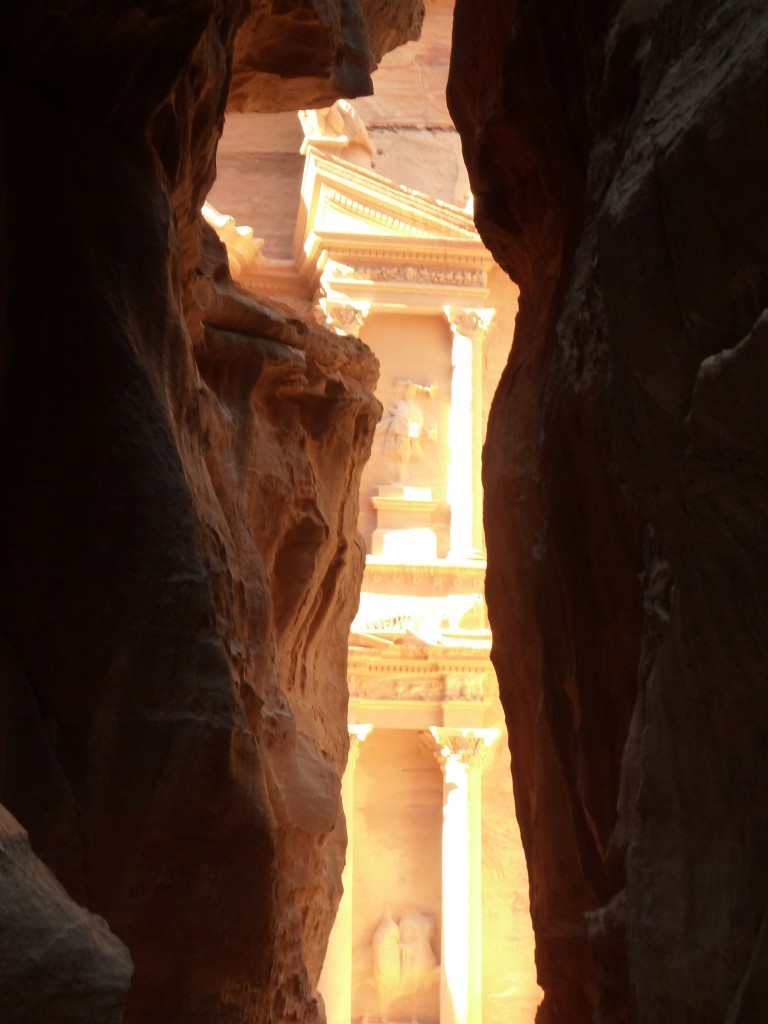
(469, 323)
(357, 736)
(344, 317)
(469, 747)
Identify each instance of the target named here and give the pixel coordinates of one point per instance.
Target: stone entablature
(390, 676)
(406, 687)
(435, 578)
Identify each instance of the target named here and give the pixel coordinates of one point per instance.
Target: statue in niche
(417, 958)
(403, 426)
(404, 962)
(386, 962)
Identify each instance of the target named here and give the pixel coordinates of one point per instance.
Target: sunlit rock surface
(618, 156)
(179, 556)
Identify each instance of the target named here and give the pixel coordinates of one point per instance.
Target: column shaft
(461, 984)
(456, 939)
(335, 983)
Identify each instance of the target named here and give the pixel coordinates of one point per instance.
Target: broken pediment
(359, 232)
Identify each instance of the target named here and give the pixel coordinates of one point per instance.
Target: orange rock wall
(179, 556)
(618, 159)
(414, 140)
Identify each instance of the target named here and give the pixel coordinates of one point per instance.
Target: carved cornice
(369, 214)
(375, 196)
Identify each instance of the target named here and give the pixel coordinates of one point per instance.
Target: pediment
(340, 198)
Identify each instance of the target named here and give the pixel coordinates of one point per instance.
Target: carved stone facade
(433, 850)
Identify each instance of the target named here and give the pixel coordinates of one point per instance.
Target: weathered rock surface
(618, 156)
(310, 53)
(179, 556)
(57, 961)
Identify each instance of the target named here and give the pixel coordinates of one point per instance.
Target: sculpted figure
(386, 962)
(404, 962)
(403, 427)
(417, 958)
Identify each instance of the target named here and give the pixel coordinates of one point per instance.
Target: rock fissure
(180, 560)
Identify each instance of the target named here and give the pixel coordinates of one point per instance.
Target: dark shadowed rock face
(57, 961)
(310, 53)
(179, 557)
(618, 154)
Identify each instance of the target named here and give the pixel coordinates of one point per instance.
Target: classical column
(460, 752)
(335, 983)
(465, 431)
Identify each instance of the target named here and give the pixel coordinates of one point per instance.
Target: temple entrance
(396, 890)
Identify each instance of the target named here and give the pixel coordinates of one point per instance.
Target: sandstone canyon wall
(57, 961)
(618, 154)
(179, 556)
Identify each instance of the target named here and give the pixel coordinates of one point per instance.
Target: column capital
(469, 323)
(344, 317)
(469, 747)
(357, 736)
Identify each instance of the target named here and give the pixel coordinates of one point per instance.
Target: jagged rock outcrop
(179, 555)
(314, 52)
(57, 961)
(618, 156)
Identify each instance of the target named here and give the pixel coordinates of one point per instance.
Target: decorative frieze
(418, 683)
(409, 273)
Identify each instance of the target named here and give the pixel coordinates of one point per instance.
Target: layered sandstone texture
(618, 156)
(179, 555)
